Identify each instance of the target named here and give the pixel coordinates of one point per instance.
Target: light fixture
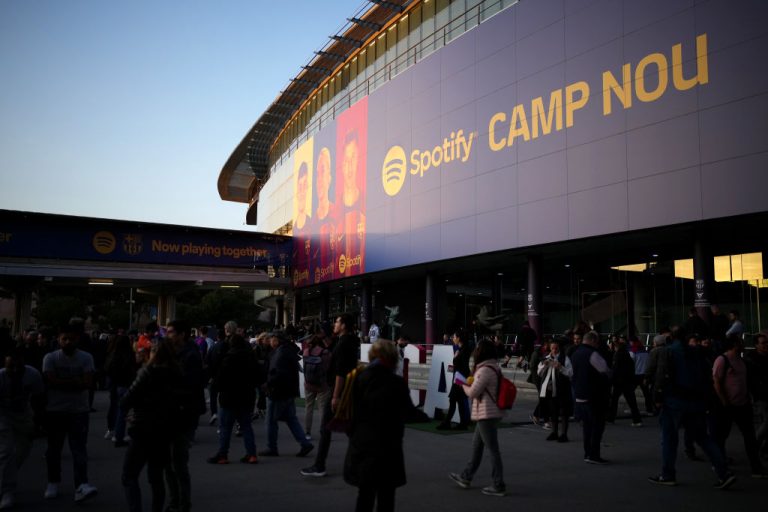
(229, 286)
(567, 265)
(500, 273)
(100, 282)
(654, 255)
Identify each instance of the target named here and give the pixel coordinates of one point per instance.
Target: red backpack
(506, 391)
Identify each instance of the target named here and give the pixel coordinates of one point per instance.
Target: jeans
(112, 411)
(177, 470)
(283, 410)
(762, 429)
(558, 413)
(154, 452)
(74, 427)
(695, 424)
(227, 418)
(460, 401)
(213, 398)
(628, 390)
(486, 434)
(120, 416)
(593, 425)
(16, 430)
(367, 496)
(312, 397)
(324, 445)
(743, 417)
(646, 389)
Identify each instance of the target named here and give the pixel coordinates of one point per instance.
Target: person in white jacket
(555, 372)
(483, 390)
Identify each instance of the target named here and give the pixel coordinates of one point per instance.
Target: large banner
(549, 122)
(37, 235)
(329, 225)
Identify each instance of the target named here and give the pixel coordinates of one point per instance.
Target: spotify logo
(104, 242)
(393, 170)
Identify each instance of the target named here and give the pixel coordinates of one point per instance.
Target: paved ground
(540, 475)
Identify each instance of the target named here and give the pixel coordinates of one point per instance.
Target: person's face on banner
(323, 175)
(301, 193)
(349, 169)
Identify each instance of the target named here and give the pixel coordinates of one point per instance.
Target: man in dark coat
(382, 404)
(282, 390)
(236, 382)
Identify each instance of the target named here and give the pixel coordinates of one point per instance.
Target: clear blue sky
(129, 109)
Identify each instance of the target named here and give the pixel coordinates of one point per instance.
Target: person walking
(192, 405)
(374, 462)
(591, 377)
(152, 398)
(69, 375)
(316, 361)
(555, 372)
(681, 391)
(282, 390)
(456, 396)
(344, 356)
(236, 382)
(19, 384)
(483, 391)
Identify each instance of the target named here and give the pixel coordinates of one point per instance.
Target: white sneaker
(51, 491)
(7, 501)
(109, 434)
(85, 491)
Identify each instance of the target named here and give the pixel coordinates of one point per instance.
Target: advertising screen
(547, 122)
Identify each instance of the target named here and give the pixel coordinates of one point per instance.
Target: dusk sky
(128, 110)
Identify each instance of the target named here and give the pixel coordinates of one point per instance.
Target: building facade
(481, 163)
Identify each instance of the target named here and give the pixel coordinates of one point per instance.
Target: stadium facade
(480, 163)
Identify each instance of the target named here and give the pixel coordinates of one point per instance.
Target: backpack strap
(498, 384)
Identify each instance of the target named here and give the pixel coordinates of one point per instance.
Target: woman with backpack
(483, 390)
(316, 361)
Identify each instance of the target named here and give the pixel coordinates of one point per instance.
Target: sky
(129, 109)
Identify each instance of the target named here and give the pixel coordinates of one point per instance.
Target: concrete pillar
(22, 315)
(497, 293)
(366, 315)
(703, 272)
(296, 308)
(279, 309)
(430, 335)
(166, 308)
(533, 298)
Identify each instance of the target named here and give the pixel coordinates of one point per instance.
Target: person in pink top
(729, 374)
(483, 391)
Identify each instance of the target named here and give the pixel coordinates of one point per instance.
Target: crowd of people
(694, 380)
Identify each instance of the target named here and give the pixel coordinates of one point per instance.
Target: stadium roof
(247, 169)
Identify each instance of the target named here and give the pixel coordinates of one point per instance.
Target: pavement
(540, 475)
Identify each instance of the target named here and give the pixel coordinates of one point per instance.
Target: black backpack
(314, 368)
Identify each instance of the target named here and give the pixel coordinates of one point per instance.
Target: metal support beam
(318, 69)
(334, 56)
(388, 5)
(348, 40)
(366, 24)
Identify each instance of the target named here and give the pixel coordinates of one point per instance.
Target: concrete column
(497, 293)
(22, 315)
(166, 308)
(279, 310)
(430, 335)
(296, 307)
(533, 298)
(365, 308)
(629, 285)
(703, 272)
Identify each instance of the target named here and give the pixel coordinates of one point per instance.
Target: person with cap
(282, 390)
